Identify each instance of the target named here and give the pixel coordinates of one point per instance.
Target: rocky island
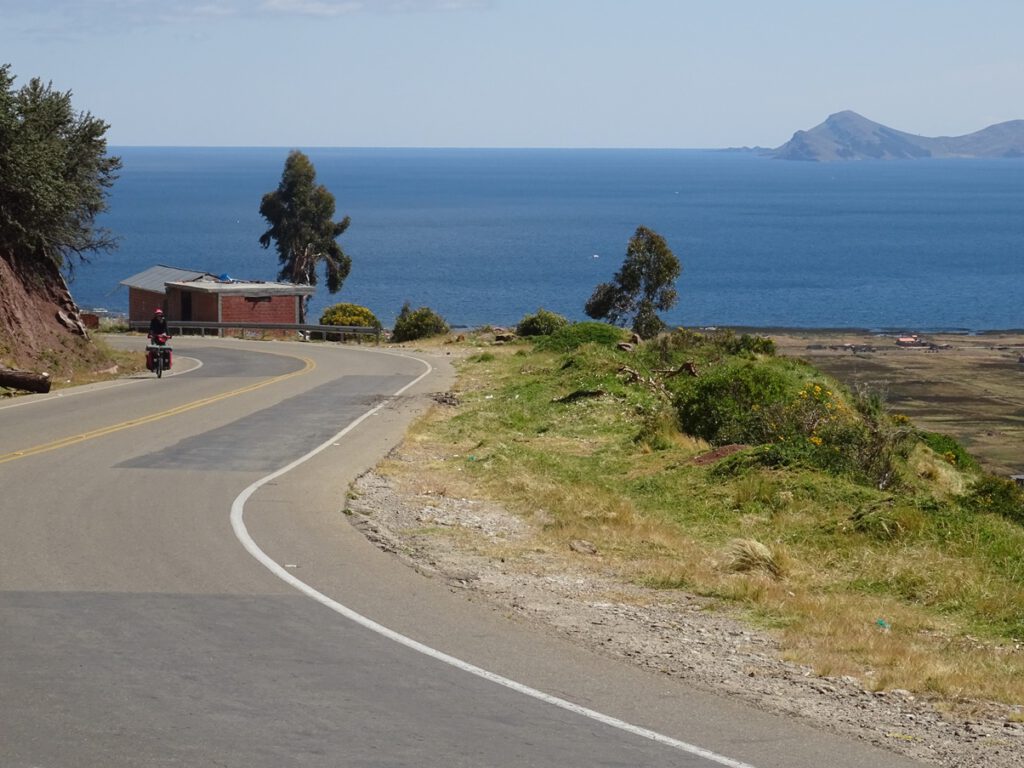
(849, 136)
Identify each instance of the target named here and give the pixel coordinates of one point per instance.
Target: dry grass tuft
(748, 555)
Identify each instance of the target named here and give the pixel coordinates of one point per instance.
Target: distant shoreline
(775, 330)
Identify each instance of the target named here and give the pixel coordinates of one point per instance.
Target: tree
(301, 217)
(54, 177)
(643, 285)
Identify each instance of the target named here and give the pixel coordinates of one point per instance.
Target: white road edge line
(242, 534)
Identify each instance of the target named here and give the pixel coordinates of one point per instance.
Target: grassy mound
(702, 461)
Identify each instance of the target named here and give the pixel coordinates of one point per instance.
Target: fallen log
(26, 380)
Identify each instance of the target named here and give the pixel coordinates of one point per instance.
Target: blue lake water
(486, 236)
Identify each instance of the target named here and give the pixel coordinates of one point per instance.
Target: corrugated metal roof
(154, 278)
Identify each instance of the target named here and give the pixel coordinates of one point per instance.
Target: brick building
(201, 297)
(148, 290)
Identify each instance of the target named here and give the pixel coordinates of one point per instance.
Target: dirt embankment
(40, 327)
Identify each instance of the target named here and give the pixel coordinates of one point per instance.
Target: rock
(582, 546)
(445, 398)
(72, 323)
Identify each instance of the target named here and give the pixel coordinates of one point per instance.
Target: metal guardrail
(218, 328)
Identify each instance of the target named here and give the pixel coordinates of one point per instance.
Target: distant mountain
(849, 136)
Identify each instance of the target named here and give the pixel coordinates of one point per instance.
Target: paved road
(146, 618)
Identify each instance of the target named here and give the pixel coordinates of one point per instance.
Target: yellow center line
(66, 441)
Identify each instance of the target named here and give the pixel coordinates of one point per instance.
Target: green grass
(588, 437)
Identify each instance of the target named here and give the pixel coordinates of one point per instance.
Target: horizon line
(497, 148)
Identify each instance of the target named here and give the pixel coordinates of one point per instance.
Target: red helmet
(158, 311)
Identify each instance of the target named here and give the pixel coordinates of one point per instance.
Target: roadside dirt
(475, 545)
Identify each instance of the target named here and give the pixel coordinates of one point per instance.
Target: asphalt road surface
(178, 587)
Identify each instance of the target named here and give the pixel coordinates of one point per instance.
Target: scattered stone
(582, 546)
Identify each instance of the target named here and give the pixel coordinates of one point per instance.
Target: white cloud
(339, 7)
(313, 7)
(77, 18)
(155, 10)
(80, 17)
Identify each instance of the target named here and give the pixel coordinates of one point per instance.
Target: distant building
(147, 290)
(191, 295)
(912, 340)
(235, 301)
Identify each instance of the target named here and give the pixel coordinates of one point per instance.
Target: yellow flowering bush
(774, 403)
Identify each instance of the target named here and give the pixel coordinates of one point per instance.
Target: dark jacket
(157, 326)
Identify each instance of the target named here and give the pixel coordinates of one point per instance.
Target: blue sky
(518, 73)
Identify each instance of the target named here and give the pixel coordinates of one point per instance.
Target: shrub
(412, 324)
(737, 402)
(349, 314)
(726, 340)
(798, 420)
(998, 495)
(949, 450)
(543, 323)
(575, 335)
(755, 345)
(709, 345)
